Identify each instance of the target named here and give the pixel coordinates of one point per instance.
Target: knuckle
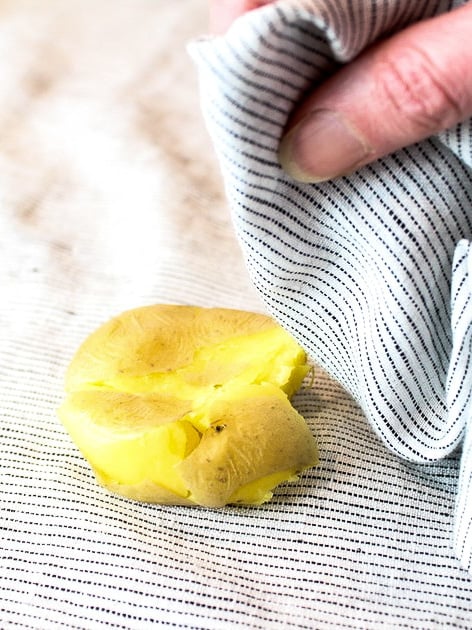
(416, 92)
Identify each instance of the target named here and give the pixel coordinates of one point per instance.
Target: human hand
(400, 91)
(224, 12)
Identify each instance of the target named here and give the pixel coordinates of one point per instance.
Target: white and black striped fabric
(110, 198)
(359, 269)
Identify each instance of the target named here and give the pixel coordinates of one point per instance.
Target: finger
(224, 12)
(402, 90)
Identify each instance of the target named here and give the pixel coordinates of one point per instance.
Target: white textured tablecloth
(110, 198)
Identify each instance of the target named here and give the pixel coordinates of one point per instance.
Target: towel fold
(360, 269)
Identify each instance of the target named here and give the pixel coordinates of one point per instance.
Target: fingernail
(323, 145)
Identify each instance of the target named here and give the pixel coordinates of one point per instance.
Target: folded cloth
(359, 269)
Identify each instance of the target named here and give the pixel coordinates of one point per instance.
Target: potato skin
(159, 338)
(191, 375)
(144, 492)
(257, 433)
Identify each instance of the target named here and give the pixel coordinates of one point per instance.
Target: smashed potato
(187, 405)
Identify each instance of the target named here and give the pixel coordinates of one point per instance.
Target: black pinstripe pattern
(359, 269)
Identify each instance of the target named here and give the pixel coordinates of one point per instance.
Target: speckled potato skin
(256, 434)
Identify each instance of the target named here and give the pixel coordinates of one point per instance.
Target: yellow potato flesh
(140, 424)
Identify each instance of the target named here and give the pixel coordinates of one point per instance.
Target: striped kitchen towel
(370, 272)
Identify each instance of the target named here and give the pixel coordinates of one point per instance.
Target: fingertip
(322, 146)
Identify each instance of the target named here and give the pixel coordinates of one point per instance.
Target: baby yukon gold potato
(189, 406)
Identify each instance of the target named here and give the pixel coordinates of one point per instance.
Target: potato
(190, 406)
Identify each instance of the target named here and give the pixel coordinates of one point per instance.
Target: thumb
(400, 91)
